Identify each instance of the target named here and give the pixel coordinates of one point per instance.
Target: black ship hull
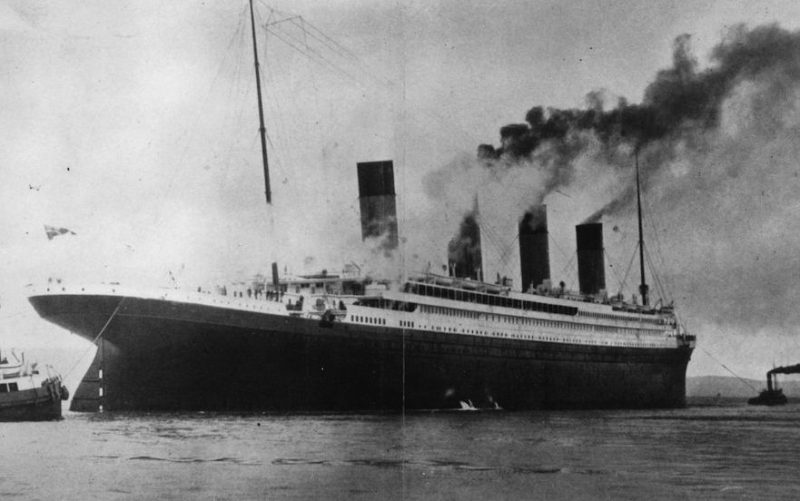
(161, 355)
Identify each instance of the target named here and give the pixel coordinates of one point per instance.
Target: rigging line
(656, 277)
(276, 113)
(380, 81)
(334, 47)
(490, 237)
(268, 24)
(613, 269)
(360, 65)
(238, 81)
(504, 250)
(282, 150)
(236, 89)
(331, 42)
(656, 280)
(494, 237)
(505, 254)
(663, 290)
(273, 11)
(184, 136)
(278, 156)
(488, 242)
(317, 128)
(568, 266)
(237, 34)
(551, 238)
(729, 370)
(630, 265)
(650, 217)
(508, 250)
(318, 59)
(313, 56)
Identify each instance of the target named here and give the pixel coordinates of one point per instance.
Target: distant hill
(711, 386)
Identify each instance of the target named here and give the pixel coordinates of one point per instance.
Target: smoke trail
(679, 107)
(718, 155)
(464, 250)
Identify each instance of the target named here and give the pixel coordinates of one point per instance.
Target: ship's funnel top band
(375, 178)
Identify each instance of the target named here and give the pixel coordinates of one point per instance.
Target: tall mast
(262, 129)
(643, 286)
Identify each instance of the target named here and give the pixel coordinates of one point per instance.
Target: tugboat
(28, 395)
(774, 395)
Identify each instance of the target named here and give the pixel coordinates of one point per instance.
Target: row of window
(609, 316)
(410, 324)
(368, 320)
(537, 322)
(525, 321)
(386, 304)
(487, 299)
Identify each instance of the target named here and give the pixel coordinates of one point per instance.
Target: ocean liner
(342, 342)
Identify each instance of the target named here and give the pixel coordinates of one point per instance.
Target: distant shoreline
(727, 387)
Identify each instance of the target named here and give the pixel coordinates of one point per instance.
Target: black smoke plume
(679, 106)
(718, 154)
(464, 250)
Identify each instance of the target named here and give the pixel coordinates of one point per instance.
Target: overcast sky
(133, 124)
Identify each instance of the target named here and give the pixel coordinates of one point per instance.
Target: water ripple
(428, 464)
(230, 460)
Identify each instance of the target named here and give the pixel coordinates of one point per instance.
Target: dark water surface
(718, 451)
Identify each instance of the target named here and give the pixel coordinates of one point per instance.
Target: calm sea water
(728, 451)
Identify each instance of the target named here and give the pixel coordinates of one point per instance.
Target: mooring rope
(94, 341)
(729, 370)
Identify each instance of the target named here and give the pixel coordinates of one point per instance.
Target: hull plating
(163, 355)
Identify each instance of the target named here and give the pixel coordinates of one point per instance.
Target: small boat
(774, 395)
(26, 394)
(769, 397)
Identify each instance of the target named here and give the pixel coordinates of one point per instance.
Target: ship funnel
(377, 202)
(591, 264)
(534, 259)
(464, 256)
